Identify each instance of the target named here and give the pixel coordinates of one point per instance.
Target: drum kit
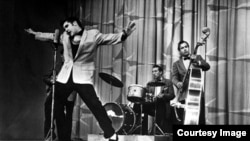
(124, 118)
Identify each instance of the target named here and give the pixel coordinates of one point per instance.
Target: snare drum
(136, 93)
(122, 117)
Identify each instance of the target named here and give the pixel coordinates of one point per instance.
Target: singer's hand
(130, 28)
(30, 31)
(65, 35)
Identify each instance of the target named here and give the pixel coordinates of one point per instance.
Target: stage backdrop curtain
(160, 25)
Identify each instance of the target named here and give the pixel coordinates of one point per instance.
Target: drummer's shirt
(157, 90)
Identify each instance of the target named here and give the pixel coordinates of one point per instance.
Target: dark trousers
(161, 119)
(88, 95)
(68, 106)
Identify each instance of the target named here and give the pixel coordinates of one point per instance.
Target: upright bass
(195, 86)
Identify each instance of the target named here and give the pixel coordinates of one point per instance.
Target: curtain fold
(160, 25)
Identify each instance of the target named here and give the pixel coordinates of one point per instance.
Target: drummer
(159, 93)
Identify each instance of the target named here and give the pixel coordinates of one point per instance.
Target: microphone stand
(53, 91)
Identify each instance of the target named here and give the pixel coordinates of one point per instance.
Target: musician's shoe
(49, 139)
(114, 138)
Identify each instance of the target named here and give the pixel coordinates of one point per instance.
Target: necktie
(186, 58)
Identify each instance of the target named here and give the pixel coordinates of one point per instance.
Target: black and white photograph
(124, 70)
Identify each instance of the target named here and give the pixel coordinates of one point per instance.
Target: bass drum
(122, 117)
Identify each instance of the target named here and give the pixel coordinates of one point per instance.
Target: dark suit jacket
(168, 94)
(179, 71)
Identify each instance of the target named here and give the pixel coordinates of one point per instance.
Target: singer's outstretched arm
(41, 36)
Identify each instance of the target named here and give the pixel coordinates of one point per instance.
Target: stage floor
(97, 137)
(94, 137)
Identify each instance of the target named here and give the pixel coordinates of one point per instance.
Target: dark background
(23, 62)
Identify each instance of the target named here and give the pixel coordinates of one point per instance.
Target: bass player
(179, 70)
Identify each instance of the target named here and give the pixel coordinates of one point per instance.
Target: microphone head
(56, 36)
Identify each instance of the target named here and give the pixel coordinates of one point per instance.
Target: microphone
(56, 36)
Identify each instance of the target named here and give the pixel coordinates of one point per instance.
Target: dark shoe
(117, 139)
(168, 134)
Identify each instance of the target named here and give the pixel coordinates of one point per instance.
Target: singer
(76, 74)
(178, 72)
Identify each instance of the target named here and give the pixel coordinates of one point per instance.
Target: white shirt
(186, 62)
(157, 90)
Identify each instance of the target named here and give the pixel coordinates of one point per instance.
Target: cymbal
(155, 84)
(111, 79)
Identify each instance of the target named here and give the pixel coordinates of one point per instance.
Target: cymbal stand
(155, 125)
(111, 91)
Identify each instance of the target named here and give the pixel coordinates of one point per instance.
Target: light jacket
(82, 65)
